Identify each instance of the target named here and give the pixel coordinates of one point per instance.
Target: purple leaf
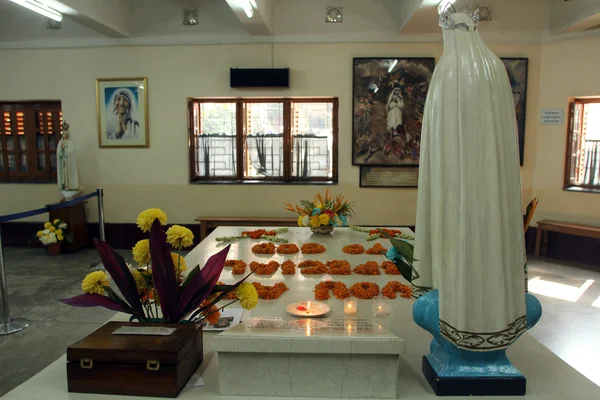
(119, 272)
(201, 284)
(95, 300)
(163, 272)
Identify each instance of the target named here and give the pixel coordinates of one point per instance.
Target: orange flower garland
(364, 290)
(377, 249)
(353, 249)
(287, 249)
(239, 266)
(270, 292)
(339, 289)
(313, 248)
(339, 267)
(390, 289)
(264, 269)
(263, 248)
(390, 268)
(256, 234)
(368, 268)
(288, 268)
(391, 232)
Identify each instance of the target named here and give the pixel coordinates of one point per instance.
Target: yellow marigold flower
(324, 219)
(60, 238)
(300, 220)
(140, 282)
(180, 235)
(178, 259)
(52, 229)
(147, 217)
(247, 295)
(141, 252)
(56, 221)
(40, 233)
(58, 232)
(47, 225)
(94, 282)
(314, 221)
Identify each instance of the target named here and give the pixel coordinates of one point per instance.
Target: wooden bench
(207, 223)
(569, 228)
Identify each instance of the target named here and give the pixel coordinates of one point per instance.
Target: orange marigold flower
(287, 249)
(390, 268)
(270, 292)
(312, 248)
(288, 268)
(368, 268)
(239, 266)
(353, 249)
(376, 249)
(256, 234)
(390, 289)
(391, 232)
(339, 267)
(264, 269)
(339, 289)
(364, 290)
(264, 248)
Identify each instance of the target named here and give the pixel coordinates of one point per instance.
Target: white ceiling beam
(574, 16)
(402, 10)
(109, 17)
(261, 22)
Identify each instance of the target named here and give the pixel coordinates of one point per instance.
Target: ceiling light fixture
(40, 8)
(248, 9)
(391, 68)
(444, 4)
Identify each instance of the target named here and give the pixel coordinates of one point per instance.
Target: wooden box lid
(103, 347)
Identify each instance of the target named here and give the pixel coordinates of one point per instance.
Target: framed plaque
(389, 177)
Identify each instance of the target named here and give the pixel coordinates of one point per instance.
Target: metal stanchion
(7, 325)
(101, 213)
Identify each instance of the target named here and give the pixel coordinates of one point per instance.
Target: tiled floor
(570, 295)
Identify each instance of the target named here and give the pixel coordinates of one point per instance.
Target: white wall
(158, 177)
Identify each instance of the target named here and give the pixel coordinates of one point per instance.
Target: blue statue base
(452, 371)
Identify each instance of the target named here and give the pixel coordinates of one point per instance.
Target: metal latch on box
(152, 365)
(86, 363)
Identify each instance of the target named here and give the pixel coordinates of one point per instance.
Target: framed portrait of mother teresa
(122, 112)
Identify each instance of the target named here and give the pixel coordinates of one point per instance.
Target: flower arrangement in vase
(52, 236)
(158, 290)
(323, 213)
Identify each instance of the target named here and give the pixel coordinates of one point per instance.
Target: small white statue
(66, 170)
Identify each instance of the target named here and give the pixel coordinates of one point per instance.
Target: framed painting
(389, 177)
(388, 98)
(122, 112)
(517, 74)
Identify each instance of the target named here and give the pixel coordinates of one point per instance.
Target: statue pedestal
(451, 371)
(74, 217)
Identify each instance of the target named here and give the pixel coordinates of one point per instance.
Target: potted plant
(323, 213)
(52, 236)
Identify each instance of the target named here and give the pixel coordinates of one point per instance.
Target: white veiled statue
(66, 168)
(469, 241)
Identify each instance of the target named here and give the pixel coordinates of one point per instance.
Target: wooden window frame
(287, 178)
(567, 184)
(29, 109)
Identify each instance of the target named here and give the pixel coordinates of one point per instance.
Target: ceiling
(154, 22)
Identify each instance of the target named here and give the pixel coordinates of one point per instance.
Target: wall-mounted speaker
(259, 77)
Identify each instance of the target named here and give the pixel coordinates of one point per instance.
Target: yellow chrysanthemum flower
(147, 217)
(247, 295)
(140, 282)
(180, 235)
(300, 220)
(178, 259)
(324, 219)
(56, 221)
(40, 233)
(314, 221)
(60, 238)
(51, 229)
(94, 282)
(141, 252)
(58, 232)
(47, 225)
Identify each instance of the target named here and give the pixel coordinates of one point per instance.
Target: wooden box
(136, 365)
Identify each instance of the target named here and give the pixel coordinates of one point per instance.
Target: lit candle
(350, 306)
(381, 307)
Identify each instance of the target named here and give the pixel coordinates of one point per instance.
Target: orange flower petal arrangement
(390, 289)
(368, 268)
(339, 290)
(238, 267)
(376, 249)
(390, 268)
(263, 248)
(375, 234)
(264, 269)
(312, 248)
(270, 292)
(323, 213)
(364, 290)
(339, 267)
(353, 249)
(271, 236)
(312, 267)
(288, 268)
(287, 249)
